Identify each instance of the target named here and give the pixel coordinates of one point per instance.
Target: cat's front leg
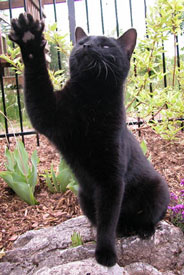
(108, 204)
(38, 90)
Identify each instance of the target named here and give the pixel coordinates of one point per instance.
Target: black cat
(120, 192)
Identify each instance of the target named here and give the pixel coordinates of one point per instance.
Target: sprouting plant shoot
(76, 239)
(62, 180)
(21, 176)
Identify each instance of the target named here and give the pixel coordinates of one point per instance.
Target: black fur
(120, 192)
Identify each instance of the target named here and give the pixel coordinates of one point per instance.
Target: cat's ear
(79, 34)
(127, 41)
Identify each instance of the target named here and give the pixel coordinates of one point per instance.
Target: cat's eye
(105, 47)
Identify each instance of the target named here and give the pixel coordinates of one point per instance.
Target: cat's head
(100, 57)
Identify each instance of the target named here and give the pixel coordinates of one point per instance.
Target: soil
(17, 217)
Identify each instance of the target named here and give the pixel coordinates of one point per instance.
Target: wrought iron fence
(37, 8)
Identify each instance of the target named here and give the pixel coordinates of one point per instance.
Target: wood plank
(20, 3)
(47, 2)
(4, 5)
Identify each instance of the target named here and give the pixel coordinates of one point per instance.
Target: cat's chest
(93, 118)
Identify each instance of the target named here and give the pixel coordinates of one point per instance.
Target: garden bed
(16, 217)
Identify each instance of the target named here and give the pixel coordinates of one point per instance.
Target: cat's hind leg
(143, 208)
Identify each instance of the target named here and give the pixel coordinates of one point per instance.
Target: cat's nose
(86, 45)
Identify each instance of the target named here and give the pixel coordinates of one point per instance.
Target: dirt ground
(16, 217)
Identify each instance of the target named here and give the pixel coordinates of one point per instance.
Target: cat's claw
(27, 31)
(106, 257)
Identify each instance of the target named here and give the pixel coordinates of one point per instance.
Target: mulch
(17, 217)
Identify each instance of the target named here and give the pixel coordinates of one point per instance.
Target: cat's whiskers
(106, 69)
(91, 65)
(100, 69)
(114, 59)
(113, 73)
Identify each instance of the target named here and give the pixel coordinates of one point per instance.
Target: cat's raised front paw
(106, 257)
(27, 32)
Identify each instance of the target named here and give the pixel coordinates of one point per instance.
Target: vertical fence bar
(116, 16)
(4, 104)
(135, 69)
(25, 5)
(41, 17)
(164, 66)
(131, 14)
(102, 18)
(40, 9)
(71, 16)
(17, 84)
(149, 73)
(178, 65)
(87, 15)
(177, 51)
(55, 18)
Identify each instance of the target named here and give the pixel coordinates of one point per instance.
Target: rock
(142, 269)
(164, 250)
(85, 267)
(49, 251)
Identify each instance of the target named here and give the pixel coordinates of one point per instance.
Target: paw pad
(28, 36)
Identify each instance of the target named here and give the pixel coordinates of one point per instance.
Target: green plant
(19, 175)
(12, 109)
(147, 96)
(76, 239)
(144, 148)
(58, 43)
(13, 57)
(62, 180)
(58, 78)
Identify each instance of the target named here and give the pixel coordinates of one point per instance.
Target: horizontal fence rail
(90, 8)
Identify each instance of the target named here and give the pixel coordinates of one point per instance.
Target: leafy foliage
(19, 175)
(13, 57)
(60, 48)
(62, 180)
(147, 96)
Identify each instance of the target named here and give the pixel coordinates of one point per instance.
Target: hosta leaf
(6, 175)
(24, 191)
(19, 176)
(32, 179)
(21, 158)
(74, 187)
(20, 188)
(10, 160)
(64, 178)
